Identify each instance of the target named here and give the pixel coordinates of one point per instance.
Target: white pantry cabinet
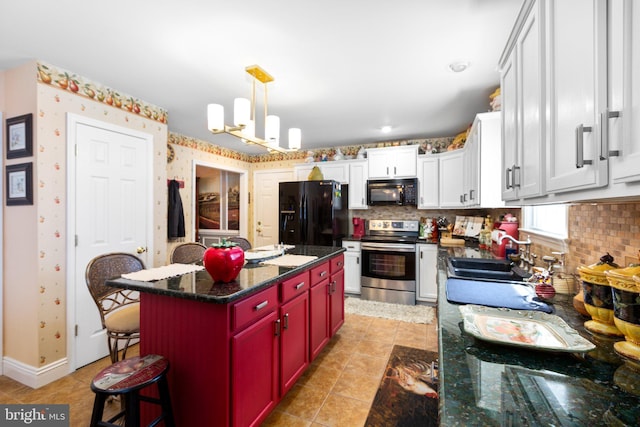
(427, 272)
(393, 162)
(358, 173)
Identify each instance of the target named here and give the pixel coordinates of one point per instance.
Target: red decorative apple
(223, 261)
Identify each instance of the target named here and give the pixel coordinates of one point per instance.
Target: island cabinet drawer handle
(299, 285)
(323, 273)
(277, 331)
(286, 321)
(339, 263)
(262, 305)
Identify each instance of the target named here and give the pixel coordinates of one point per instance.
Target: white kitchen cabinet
(358, 173)
(624, 92)
(486, 137)
(471, 169)
(393, 162)
(427, 287)
(451, 179)
(522, 107)
(337, 171)
(576, 93)
(352, 267)
(428, 191)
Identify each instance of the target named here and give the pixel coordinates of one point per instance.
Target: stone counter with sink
(488, 384)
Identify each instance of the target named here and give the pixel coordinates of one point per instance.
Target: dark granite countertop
(486, 384)
(252, 278)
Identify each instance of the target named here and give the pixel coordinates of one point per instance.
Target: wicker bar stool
(127, 378)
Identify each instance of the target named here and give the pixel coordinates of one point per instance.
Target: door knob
(141, 250)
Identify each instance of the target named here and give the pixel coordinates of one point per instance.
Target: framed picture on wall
(20, 136)
(19, 184)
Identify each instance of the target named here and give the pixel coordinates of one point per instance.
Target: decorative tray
(523, 328)
(253, 256)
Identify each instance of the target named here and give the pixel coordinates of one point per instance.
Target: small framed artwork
(19, 136)
(19, 184)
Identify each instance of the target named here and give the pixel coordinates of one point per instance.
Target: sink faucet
(527, 259)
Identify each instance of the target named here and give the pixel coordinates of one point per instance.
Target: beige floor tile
(374, 348)
(320, 376)
(282, 419)
(357, 386)
(362, 364)
(303, 401)
(340, 411)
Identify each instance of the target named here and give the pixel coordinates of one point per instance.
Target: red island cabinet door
(336, 302)
(319, 317)
(294, 341)
(254, 371)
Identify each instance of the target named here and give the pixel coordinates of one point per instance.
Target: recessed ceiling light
(386, 129)
(458, 67)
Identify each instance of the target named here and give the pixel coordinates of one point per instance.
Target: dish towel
(164, 272)
(290, 260)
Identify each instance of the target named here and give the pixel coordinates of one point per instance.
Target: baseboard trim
(34, 377)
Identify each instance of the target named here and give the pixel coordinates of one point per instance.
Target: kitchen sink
(486, 268)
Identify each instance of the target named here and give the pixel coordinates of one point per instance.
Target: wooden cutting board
(446, 241)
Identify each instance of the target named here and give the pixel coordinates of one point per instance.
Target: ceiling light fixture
(244, 118)
(458, 67)
(385, 129)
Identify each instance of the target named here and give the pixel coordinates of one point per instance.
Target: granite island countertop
(252, 278)
(487, 384)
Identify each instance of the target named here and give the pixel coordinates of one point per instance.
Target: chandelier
(244, 113)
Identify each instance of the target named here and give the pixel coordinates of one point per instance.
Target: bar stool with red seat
(127, 378)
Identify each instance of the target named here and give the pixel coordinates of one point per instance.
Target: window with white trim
(548, 220)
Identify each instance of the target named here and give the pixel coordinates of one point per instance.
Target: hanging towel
(175, 226)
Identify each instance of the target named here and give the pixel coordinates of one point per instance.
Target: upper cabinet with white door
(393, 162)
(358, 173)
(622, 119)
(337, 171)
(575, 34)
(521, 67)
(428, 181)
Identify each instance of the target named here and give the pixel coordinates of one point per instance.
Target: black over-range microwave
(388, 192)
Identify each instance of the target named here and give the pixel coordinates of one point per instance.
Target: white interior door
(266, 209)
(112, 214)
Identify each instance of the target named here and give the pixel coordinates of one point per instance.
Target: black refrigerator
(313, 213)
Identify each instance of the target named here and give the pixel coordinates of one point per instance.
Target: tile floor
(336, 390)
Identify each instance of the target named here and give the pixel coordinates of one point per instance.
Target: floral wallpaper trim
(427, 145)
(72, 82)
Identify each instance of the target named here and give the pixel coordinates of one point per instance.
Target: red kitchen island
(235, 349)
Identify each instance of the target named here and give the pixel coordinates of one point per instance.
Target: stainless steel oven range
(389, 261)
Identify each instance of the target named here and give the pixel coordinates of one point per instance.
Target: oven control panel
(393, 225)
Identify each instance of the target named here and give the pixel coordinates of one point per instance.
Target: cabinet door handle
(516, 174)
(299, 285)
(286, 321)
(471, 194)
(262, 305)
(507, 177)
(580, 130)
(323, 273)
(387, 170)
(357, 260)
(394, 171)
(604, 134)
(277, 331)
(363, 200)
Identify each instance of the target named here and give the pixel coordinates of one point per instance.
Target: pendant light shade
(215, 117)
(295, 138)
(272, 129)
(241, 111)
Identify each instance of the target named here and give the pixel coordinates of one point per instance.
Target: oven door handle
(386, 247)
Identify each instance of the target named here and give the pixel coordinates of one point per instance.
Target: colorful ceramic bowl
(598, 298)
(625, 285)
